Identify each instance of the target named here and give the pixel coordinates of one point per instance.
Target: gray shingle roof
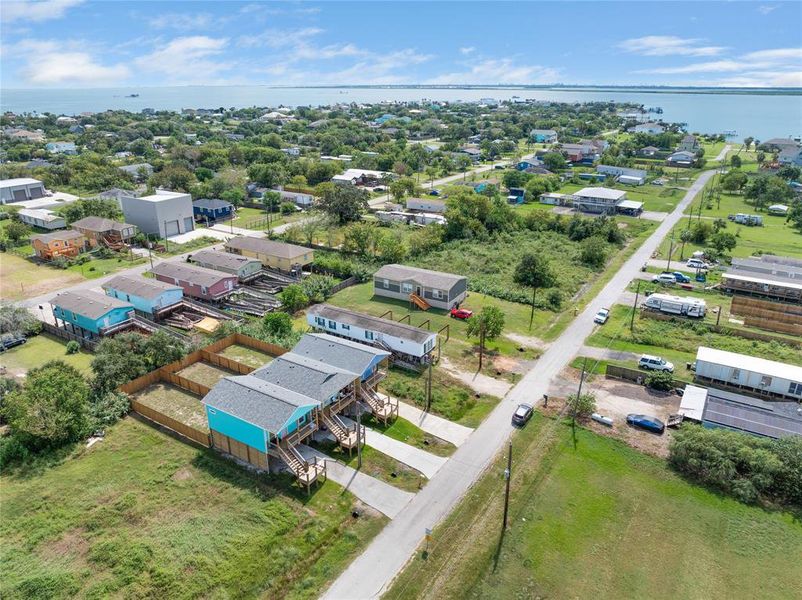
(211, 203)
(265, 246)
(256, 401)
(57, 236)
(222, 260)
(371, 323)
(342, 353)
(424, 277)
(89, 304)
(184, 272)
(305, 376)
(139, 286)
(100, 224)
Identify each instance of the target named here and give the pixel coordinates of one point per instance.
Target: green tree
(487, 324)
(277, 324)
(52, 407)
(269, 175)
(360, 238)
(748, 142)
(342, 203)
(582, 406)
(684, 237)
(293, 298)
(735, 161)
(391, 246)
(17, 320)
(593, 252)
(402, 187)
(734, 181)
(723, 242)
(16, 231)
(554, 161)
(533, 271)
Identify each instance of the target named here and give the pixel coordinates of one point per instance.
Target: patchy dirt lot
(617, 399)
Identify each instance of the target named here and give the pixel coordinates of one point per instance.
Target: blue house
(61, 148)
(383, 119)
(212, 209)
(149, 296)
(543, 136)
(516, 195)
(90, 314)
(528, 163)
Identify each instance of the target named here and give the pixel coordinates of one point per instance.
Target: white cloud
(668, 45)
(54, 66)
(44, 10)
(500, 70)
(277, 38)
(181, 21)
(762, 79)
(775, 54)
(187, 59)
(467, 50)
(765, 9)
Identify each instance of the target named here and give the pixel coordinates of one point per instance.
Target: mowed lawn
(246, 356)
(141, 514)
(596, 519)
(40, 349)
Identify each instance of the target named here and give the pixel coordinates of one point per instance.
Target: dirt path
(527, 341)
(478, 382)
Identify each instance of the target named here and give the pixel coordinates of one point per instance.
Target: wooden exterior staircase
(346, 436)
(384, 408)
(419, 302)
(306, 472)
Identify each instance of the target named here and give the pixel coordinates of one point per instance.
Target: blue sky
(85, 44)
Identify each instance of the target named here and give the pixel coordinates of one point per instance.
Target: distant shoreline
(489, 88)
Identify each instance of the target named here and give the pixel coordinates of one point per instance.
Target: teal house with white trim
(90, 314)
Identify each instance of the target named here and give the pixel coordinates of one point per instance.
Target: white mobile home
(748, 374)
(43, 218)
(410, 343)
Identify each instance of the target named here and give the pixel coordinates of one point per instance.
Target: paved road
(370, 574)
(379, 201)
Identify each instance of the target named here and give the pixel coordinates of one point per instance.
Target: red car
(461, 313)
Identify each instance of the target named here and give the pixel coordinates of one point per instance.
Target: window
(320, 321)
(204, 291)
(368, 335)
(795, 389)
(765, 381)
(438, 294)
(736, 373)
(332, 324)
(386, 284)
(406, 288)
(346, 327)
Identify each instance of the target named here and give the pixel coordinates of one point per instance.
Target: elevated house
(423, 287)
(100, 231)
(59, 244)
(41, 218)
(212, 209)
(243, 267)
(689, 143)
(21, 189)
(598, 200)
(408, 344)
(753, 376)
(682, 159)
(148, 296)
(275, 255)
(623, 174)
(89, 314)
(197, 282)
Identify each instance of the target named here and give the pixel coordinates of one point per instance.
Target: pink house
(197, 282)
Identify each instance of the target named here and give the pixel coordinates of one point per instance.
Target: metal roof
(752, 364)
(306, 376)
(340, 352)
(39, 213)
(692, 404)
(139, 286)
(87, 303)
(775, 269)
(632, 204)
(600, 192)
(256, 401)
(211, 203)
(19, 181)
(761, 278)
(222, 260)
(424, 277)
(190, 273)
(371, 323)
(770, 419)
(266, 246)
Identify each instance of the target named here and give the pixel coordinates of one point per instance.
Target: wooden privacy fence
(196, 435)
(344, 284)
(636, 375)
(772, 316)
(226, 363)
(751, 335)
(87, 343)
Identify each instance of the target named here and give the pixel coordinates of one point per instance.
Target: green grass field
(246, 356)
(141, 514)
(593, 518)
(100, 267)
(405, 431)
(654, 197)
(175, 403)
(41, 349)
(254, 218)
(204, 373)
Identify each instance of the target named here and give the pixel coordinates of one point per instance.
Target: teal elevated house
(149, 296)
(90, 314)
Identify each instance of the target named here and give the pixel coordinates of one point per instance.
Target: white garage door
(171, 228)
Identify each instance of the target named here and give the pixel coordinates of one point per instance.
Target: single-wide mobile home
(750, 375)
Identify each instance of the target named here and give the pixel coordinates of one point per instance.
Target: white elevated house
(42, 218)
(600, 200)
(623, 174)
(750, 375)
(410, 344)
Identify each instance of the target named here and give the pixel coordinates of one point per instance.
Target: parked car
(10, 341)
(522, 414)
(695, 263)
(461, 313)
(681, 277)
(664, 279)
(646, 422)
(655, 363)
(434, 193)
(602, 316)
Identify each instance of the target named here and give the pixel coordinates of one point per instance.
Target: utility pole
(578, 393)
(507, 476)
(358, 436)
(634, 308)
(670, 251)
(429, 387)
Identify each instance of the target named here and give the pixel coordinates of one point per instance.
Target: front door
(418, 290)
